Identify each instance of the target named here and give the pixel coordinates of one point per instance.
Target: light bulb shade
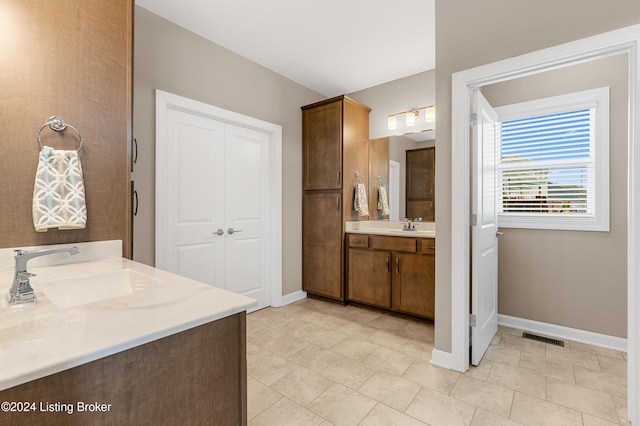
(392, 123)
(410, 118)
(430, 114)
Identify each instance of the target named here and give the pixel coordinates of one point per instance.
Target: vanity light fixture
(430, 114)
(392, 122)
(411, 117)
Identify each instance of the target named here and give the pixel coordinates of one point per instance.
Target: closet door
(212, 220)
(193, 246)
(245, 205)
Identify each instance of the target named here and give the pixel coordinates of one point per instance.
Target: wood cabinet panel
(322, 148)
(369, 281)
(322, 244)
(195, 377)
(358, 240)
(413, 289)
(421, 208)
(420, 181)
(73, 59)
(394, 243)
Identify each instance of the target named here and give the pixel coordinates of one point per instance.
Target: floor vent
(537, 338)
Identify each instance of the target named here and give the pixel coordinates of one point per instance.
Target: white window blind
(548, 163)
(554, 163)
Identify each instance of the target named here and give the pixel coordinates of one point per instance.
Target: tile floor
(318, 363)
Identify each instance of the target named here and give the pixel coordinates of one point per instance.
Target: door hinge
(472, 320)
(473, 119)
(473, 219)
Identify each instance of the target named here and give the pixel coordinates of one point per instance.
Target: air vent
(542, 339)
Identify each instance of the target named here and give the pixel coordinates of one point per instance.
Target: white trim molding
(622, 41)
(165, 100)
(441, 359)
(290, 298)
(566, 333)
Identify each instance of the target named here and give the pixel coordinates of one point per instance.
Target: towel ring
(59, 125)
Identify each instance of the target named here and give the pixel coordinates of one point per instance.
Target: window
(554, 163)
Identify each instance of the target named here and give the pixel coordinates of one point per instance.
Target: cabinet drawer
(358, 240)
(394, 243)
(427, 246)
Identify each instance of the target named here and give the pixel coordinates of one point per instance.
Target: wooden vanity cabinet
(335, 145)
(369, 273)
(396, 273)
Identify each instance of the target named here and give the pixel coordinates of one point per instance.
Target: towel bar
(59, 125)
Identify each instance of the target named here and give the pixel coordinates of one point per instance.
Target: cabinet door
(420, 183)
(322, 244)
(322, 147)
(368, 278)
(413, 284)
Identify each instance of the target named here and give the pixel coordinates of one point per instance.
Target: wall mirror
(388, 167)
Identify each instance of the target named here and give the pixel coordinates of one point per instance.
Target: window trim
(599, 220)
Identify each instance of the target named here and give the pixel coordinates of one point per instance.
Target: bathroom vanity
(390, 268)
(118, 342)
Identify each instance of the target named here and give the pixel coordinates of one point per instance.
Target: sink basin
(83, 289)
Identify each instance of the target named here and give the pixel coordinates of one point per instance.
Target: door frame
(622, 41)
(166, 101)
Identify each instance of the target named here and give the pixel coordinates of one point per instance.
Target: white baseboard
(290, 298)
(441, 359)
(558, 331)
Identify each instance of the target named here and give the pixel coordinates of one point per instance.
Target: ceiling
(330, 46)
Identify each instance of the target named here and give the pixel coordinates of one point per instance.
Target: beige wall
(469, 34)
(169, 58)
(569, 278)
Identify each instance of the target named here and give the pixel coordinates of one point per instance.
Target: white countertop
(385, 227)
(40, 339)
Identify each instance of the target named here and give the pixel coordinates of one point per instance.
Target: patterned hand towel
(58, 193)
(360, 203)
(383, 202)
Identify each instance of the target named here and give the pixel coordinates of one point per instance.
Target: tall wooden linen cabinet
(335, 140)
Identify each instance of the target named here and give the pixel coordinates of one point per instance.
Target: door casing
(622, 41)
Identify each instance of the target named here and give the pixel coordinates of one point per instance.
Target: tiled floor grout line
(286, 319)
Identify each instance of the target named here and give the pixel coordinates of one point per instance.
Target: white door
(246, 213)
(215, 206)
(484, 229)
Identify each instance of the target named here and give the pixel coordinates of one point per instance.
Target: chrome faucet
(21, 291)
(408, 226)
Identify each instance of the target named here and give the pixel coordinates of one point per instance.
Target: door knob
(499, 234)
(219, 232)
(231, 230)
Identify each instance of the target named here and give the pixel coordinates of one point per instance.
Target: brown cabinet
(421, 183)
(369, 273)
(322, 244)
(396, 273)
(413, 289)
(335, 146)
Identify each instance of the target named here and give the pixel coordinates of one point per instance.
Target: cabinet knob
(397, 266)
